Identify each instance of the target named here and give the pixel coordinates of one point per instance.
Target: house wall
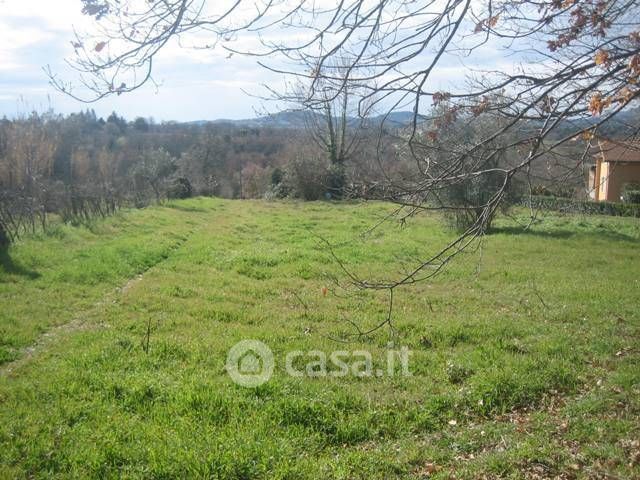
(596, 180)
(617, 176)
(593, 185)
(603, 175)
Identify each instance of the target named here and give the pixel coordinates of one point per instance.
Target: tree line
(77, 167)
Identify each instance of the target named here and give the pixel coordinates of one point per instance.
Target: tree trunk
(4, 238)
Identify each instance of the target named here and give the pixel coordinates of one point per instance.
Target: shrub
(306, 177)
(569, 205)
(562, 191)
(277, 176)
(180, 188)
(336, 180)
(256, 180)
(631, 193)
(276, 191)
(470, 196)
(4, 238)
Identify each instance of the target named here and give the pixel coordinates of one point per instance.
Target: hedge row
(571, 205)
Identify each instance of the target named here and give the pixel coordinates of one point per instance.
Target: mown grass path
(527, 367)
(81, 319)
(51, 278)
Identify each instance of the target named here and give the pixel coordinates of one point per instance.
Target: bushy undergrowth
(570, 205)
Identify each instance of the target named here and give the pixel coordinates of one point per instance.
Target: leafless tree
(153, 170)
(573, 66)
(25, 166)
(336, 119)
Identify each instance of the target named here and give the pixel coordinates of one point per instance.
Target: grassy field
(525, 357)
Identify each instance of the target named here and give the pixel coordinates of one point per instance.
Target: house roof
(619, 151)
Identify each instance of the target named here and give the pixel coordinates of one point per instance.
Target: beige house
(617, 165)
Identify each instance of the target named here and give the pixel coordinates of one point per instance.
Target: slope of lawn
(524, 354)
(52, 278)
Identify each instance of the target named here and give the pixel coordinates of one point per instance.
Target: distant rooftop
(620, 150)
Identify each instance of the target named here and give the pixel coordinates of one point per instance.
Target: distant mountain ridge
(623, 122)
(296, 119)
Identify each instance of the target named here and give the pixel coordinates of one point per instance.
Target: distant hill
(623, 123)
(296, 119)
(293, 119)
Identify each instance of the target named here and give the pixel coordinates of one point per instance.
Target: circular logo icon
(250, 363)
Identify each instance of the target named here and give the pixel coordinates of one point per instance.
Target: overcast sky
(194, 84)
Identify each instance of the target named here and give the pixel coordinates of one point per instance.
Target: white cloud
(56, 15)
(195, 84)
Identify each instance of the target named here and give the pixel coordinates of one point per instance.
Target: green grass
(525, 357)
